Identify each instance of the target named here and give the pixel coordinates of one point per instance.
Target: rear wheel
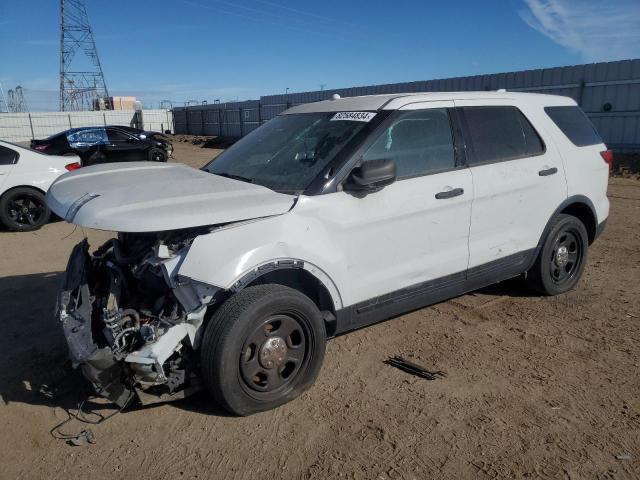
(562, 259)
(23, 209)
(157, 155)
(262, 348)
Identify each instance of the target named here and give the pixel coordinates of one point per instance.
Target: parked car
(107, 144)
(333, 216)
(25, 176)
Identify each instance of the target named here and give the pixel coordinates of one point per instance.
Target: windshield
(288, 152)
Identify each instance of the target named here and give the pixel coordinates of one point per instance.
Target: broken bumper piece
(142, 351)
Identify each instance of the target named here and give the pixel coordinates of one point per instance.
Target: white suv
(333, 216)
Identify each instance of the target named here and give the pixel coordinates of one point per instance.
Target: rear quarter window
(8, 156)
(575, 125)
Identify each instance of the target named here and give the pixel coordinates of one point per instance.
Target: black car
(107, 144)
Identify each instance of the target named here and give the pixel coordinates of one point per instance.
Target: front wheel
(24, 209)
(157, 155)
(562, 258)
(262, 348)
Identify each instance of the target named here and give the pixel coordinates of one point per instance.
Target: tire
(157, 155)
(562, 258)
(244, 365)
(24, 209)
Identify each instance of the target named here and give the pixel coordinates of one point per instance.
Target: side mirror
(371, 176)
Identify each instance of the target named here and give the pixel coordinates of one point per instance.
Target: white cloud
(594, 29)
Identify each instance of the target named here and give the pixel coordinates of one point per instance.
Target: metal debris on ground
(414, 369)
(85, 437)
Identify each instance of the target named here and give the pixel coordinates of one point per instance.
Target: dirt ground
(536, 387)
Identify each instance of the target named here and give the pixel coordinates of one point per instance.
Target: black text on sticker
(354, 116)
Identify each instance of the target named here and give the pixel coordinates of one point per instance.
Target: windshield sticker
(354, 116)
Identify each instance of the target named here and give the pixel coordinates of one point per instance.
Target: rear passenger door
(518, 182)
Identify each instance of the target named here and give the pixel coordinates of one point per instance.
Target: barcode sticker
(354, 116)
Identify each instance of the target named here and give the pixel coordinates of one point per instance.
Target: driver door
(122, 147)
(409, 239)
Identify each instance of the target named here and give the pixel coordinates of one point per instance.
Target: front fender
(226, 258)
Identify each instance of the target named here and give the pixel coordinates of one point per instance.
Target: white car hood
(152, 197)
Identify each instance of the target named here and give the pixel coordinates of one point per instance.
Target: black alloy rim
(273, 353)
(566, 256)
(158, 157)
(25, 210)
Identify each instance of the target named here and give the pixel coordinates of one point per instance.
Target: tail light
(40, 148)
(607, 156)
(72, 166)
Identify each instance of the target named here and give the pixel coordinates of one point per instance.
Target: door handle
(455, 192)
(548, 171)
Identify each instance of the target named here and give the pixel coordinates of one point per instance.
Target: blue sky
(208, 49)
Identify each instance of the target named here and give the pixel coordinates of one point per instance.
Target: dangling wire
(85, 436)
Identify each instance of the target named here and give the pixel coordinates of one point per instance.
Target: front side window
(117, 136)
(500, 133)
(89, 136)
(8, 156)
(287, 153)
(418, 141)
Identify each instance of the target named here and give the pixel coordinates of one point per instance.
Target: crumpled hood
(152, 197)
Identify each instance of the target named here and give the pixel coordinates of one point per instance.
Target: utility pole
(82, 85)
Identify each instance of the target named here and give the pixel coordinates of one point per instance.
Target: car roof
(394, 101)
(119, 127)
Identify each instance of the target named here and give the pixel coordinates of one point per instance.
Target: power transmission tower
(21, 104)
(4, 101)
(82, 85)
(11, 102)
(16, 102)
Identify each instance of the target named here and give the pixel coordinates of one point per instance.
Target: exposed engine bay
(132, 324)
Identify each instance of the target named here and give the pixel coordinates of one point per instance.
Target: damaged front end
(131, 323)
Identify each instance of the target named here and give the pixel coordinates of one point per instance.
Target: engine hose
(116, 247)
(120, 272)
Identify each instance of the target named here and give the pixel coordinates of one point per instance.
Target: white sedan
(25, 176)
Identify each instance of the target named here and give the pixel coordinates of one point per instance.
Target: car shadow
(514, 287)
(34, 366)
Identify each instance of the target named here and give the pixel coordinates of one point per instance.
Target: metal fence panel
(608, 92)
(22, 127)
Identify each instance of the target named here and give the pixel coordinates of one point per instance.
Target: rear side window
(89, 136)
(8, 156)
(500, 133)
(575, 125)
(419, 142)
